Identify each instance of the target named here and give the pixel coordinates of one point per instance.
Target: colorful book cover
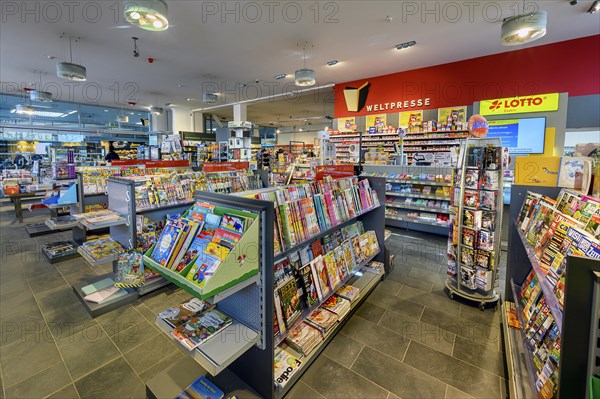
(226, 237)
(540, 224)
(342, 269)
(197, 247)
(211, 224)
(489, 199)
(310, 286)
(472, 219)
(321, 276)
(469, 237)
(290, 302)
(217, 250)
(472, 179)
(199, 329)
(472, 199)
(203, 267)
(166, 243)
(233, 223)
(184, 312)
(286, 365)
(332, 270)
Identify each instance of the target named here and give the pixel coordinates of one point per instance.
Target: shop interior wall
(584, 111)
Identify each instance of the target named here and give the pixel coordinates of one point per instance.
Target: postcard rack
(457, 284)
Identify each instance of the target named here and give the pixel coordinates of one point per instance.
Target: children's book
(166, 243)
(199, 329)
(184, 312)
(233, 223)
(202, 388)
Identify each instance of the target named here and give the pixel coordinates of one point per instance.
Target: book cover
(211, 224)
(467, 277)
(202, 388)
(184, 312)
(203, 267)
(310, 286)
(226, 237)
(488, 220)
(472, 199)
(540, 224)
(166, 243)
(343, 271)
(322, 319)
(332, 269)
(233, 223)
(104, 294)
(286, 365)
(486, 240)
(489, 199)
(199, 329)
(197, 246)
(472, 219)
(185, 240)
(321, 276)
(469, 237)
(472, 179)
(290, 301)
(304, 337)
(97, 286)
(348, 257)
(317, 248)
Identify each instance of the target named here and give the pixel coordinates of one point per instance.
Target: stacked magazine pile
(304, 338)
(101, 248)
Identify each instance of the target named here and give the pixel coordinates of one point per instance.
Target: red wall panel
(571, 66)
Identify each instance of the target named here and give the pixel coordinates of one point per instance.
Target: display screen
(520, 136)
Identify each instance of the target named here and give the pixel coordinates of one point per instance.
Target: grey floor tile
(452, 371)
(376, 337)
(396, 304)
(426, 298)
(405, 279)
(416, 330)
(341, 382)
(56, 299)
(68, 320)
(119, 319)
(27, 357)
(134, 336)
(388, 287)
(162, 365)
(16, 304)
(16, 326)
(115, 380)
(488, 317)
(87, 350)
(68, 392)
(406, 381)
(302, 391)
(392, 396)
(370, 311)
(423, 274)
(2, 396)
(481, 356)
(453, 393)
(144, 356)
(480, 333)
(343, 349)
(161, 300)
(40, 283)
(146, 313)
(41, 384)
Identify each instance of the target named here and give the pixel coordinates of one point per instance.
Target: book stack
(201, 328)
(303, 338)
(337, 305)
(99, 219)
(376, 267)
(61, 222)
(286, 365)
(196, 245)
(183, 312)
(101, 248)
(323, 320)
(304, 210)
(558, 228)
(102, 291)
(348, 292)
(542, 336)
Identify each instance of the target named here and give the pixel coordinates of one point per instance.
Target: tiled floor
(407, 341)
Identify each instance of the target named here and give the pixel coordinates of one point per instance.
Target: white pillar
(181, 120)
(239, 113)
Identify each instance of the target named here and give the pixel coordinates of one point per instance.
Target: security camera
(573, 2)
(136, 53)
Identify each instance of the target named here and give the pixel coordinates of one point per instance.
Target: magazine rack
(235, 272)
(578, 320)
(454, 283)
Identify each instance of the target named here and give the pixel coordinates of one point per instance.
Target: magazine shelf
(96, 262)
(426, 196)
(366, 282)
(417, 220)
(401, 205)
(279, 339)
(52, 225)
(322, 234)
(420, 182)
(551, 300)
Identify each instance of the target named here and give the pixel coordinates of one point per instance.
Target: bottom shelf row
(215, 340)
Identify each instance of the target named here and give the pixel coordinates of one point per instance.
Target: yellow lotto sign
(520, 105)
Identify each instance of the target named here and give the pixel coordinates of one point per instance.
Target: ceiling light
(595, 7)
(402, 46)
(305, 77)
(147, 14)
(300, 129)
(280, 76)
(69, 70)
(188, 99)
(524, 28)
(24, 109)
(156, 111)
(209, 98)
(278, 131)
(122, 118)
(105, 110)
(67, 114)
(332, 63)
(40, 96)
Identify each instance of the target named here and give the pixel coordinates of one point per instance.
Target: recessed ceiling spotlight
(280, 76)
(402, 46)
(188, 99)
(180, 85)
(389, 19)
(332, 62)
(595, 7)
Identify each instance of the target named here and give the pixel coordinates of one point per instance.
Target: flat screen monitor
(521, 136)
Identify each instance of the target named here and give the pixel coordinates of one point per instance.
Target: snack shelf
(518, 371)
(304, 243)
(417, 208)
(551, 300)
(366, 283)
(306, 312)
(220, 350)
(415, 220)
(434, 197)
